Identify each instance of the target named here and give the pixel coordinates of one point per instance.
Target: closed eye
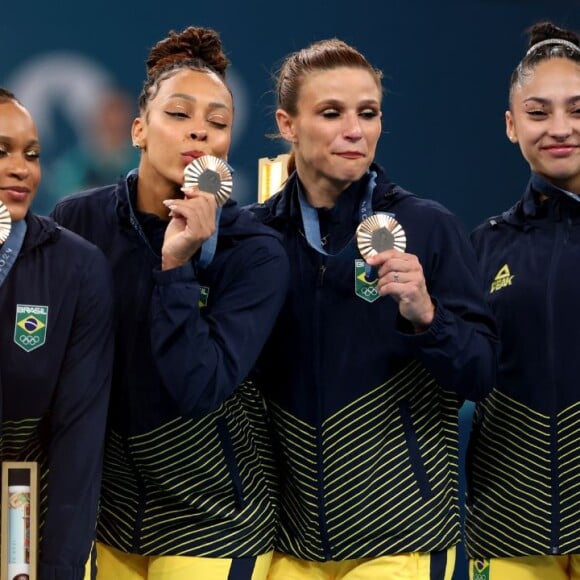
(537, 114)
(177, 114)
(369, 113)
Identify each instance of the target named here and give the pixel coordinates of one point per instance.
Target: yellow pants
(413, 566)
(527, 568)
(113, 564)
(89, 565)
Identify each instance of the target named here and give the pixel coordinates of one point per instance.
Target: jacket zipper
(555, 524)
(325, 541)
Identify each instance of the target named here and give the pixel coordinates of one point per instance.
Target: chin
(17, 213)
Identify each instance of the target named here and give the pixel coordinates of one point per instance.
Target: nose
(18, 166)
(560, 127)
(198, 134)
(352, 129)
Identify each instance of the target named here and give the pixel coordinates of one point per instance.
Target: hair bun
(548, 31)
(192, 43)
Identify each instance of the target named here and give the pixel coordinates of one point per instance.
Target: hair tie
(554, 41)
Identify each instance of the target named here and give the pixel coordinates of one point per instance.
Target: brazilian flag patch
(362, 287)
(30, 326)
(480, 569)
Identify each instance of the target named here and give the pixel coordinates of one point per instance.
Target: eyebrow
(548, 101)
(191, 98)
(331, 102)
(8, 139)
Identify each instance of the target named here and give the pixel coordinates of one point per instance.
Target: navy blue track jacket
(365, 411)
(188, 468)
(55, 382)
(524, 453)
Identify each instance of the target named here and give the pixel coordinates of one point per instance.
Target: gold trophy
(272, 172)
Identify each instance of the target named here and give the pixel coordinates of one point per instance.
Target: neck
(321, 199)
(151, 193)
(322, 193)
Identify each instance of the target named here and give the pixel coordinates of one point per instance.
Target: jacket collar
(233, 222)
(527, 208)
(39, 230)
(284, 204)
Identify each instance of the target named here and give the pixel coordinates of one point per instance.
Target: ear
(510, 128)
(286, 125)
(138, 133)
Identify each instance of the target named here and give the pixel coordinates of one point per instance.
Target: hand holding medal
(400, 275)
(194, 221)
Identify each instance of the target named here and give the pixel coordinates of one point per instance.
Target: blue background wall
(446, 66)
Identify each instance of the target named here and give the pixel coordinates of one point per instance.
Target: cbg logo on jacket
(30, 326)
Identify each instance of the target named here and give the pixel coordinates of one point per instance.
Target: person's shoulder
(62, 243)
(88, 211)
(489, 223)
(424, 213)
(87, 197)
(488, 228)
(267, 211)
(420, 203)
(247, 221)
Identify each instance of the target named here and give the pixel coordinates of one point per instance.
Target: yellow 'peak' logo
(502, 279)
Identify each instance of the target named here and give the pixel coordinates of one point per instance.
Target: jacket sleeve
(460, 347)
(204, 353)
(77, 429)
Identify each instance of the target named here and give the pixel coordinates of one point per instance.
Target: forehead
(16, 122)
(555, 75)
(195, 84)
(341, 84)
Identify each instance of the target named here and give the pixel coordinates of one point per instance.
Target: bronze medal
(378, 233)
(5, 223)
(212, 175)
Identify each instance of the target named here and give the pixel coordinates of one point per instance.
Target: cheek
(373, 139)
(35, 174)
(527, 150)
(221, 145)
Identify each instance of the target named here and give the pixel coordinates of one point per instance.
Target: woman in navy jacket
(187, 487)
(370, 361)
(523, 508)
(56, 347)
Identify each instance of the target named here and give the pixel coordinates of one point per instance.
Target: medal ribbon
(10, 249)
(312, 225)
(209, 246)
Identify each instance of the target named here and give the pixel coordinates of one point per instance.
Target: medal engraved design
(5, 223)
(378, 233)
(210, 174)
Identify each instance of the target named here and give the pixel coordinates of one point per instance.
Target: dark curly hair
(194, 48)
